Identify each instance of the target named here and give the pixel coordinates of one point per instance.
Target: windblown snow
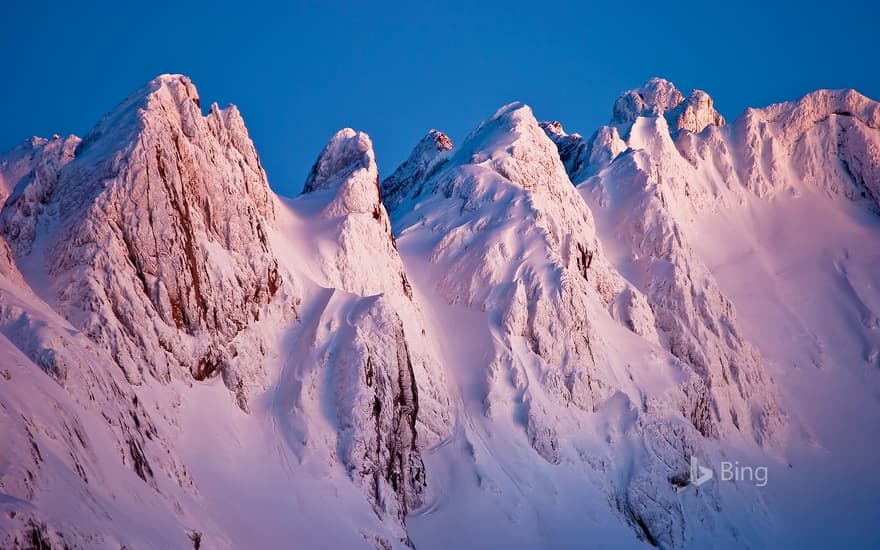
(518, 341)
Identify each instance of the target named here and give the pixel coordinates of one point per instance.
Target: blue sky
(300, 71)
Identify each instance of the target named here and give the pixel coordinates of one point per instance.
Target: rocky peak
(8, 268)
(796, 117)
(347, 165)
(696, 112)
(554, 129)
(514, 145)
(347, 152)
(440, 140)
(427, 156)
(655, 97)
(163, 256)
(659, 97)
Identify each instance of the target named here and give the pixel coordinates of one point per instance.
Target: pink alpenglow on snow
(526, 339)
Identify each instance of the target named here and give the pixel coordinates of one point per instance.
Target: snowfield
(517, 341)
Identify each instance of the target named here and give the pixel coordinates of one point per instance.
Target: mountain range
(522, 340)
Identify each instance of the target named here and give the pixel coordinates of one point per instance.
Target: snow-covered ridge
(427, 156)
(520, 341)
(798, 116)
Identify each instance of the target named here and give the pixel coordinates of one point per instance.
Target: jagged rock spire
(659, 97)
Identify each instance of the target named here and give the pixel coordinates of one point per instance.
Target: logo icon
(698, 474)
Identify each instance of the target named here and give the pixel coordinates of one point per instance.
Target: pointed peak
(164, 97)
(165, 89)
(179, 86)
(513, 114)
(515, 146)
(510, 123)
(427, 156)
(347, 152)
(512, 108)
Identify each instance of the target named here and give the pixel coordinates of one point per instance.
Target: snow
(516, 342)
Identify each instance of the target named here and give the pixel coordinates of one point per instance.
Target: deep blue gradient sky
(299, 72)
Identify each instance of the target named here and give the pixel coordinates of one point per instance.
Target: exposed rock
(697, 112)
(162, 251)
(427, 157)
(28, 178)
(654, 98)
(660, 97)
(377, 400)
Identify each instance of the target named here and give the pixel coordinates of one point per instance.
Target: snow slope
(516, 342)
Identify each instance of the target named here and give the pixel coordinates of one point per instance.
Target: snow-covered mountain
(521, 341)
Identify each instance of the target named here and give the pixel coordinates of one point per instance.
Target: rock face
(370, 345)
(528, 336)
(427, 157)
(377, 399)
(660, 97)
(534, 263)
(8, 268)
(161, 253)
(642, 190)
(29, 176)
(828, 136)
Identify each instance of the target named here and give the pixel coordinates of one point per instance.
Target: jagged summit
(557, 323)
(515, 116)
(798, 116)
(659, 97)
(347, 152)
(428, 155)
(653, 98)
(512, 144)
(572, 147)
(347, 165)
(165, 95)
(169, 211)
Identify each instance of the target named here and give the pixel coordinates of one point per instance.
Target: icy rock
(161, 253)
(654, 98)
(377, 400)
(697, 112)
(347, 167)
(28, 177)
(427, 157)
(366, 262)
(522, 247)
(659, 97)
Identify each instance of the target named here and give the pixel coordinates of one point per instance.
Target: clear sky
(301, 71)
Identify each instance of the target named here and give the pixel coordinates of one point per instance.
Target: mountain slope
(150, 233)
(521, 341)
(740, 206)
(498, 228)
